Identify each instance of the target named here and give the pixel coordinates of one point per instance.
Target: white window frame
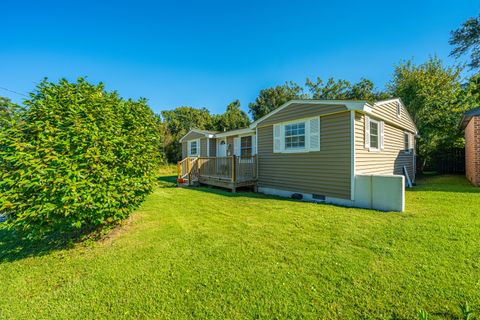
(281, 138)
(284, 136)
(378, 148)
(409, 144)
(189, 146)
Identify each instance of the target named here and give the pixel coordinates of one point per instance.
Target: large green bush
(75, 157)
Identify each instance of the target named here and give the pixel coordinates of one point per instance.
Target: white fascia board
(234, 132)
(350, 105)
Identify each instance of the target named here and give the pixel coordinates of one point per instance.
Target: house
(471, 124)
(345, 152)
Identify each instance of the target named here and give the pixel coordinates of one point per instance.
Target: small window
(406, 142)
(374, 134)
(246, 147)
(193, 148)
(295, 135)
(399, 110)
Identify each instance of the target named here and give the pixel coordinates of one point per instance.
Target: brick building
(471, 124)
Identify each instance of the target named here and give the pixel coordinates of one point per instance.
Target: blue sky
(208, 53)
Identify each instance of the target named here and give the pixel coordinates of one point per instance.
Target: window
(246, 147)
(406, 142)
(295, 135)
(399, 110)
(193, 148)
(374, 134)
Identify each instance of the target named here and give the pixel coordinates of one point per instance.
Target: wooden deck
(225, 172)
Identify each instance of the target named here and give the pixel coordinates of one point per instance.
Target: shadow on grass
(167, 181)
(15, 247)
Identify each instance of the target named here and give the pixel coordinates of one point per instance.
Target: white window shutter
(410, 141)
(382, 135)
(277, 138)
(254, 145)
(314, 134)
(367, 132)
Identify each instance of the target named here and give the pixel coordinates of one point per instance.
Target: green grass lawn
(205, 253)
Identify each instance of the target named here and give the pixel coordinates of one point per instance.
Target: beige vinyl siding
(184, 149)
(299, 111)
(203, 147)
(325, 172)
(213, 147)
(388, 111)
(391, 159)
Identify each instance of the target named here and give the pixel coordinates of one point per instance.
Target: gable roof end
(359, 105)
(207, 133)
(399, 101)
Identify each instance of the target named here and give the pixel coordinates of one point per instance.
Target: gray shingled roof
(469, 115)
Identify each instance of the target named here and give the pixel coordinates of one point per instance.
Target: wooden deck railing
(187, 169)
(234, 168)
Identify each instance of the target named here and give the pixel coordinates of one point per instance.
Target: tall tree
(329, 91)
(344, 90)
(432, 94)
(233, 118)
(271, 98)
(466, 39)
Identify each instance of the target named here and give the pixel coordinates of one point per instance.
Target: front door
(222, 148)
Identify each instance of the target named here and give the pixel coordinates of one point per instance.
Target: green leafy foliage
(233, 118)
(434, 97)
(344, 90)
(466, 40)
(271, 98)
(76, 157)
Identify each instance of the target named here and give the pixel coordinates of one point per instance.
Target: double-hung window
(295, 136)
(374, 134)
(246, 147)
(193, 147)
(407, 142)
